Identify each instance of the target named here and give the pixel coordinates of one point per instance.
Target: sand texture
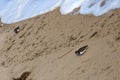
(44, 49)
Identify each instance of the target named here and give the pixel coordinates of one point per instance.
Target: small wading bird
(81, 50)
(17, 29)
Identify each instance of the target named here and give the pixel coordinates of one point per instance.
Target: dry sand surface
(44, 49)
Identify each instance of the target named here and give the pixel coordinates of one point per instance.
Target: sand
(45, 47)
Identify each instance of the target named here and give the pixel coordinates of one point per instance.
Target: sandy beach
(44, 49)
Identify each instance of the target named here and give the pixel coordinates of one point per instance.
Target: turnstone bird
(81, 50)
(17, 29)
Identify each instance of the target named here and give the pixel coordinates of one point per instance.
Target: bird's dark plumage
(81, 50)
(17, 29)
(23, 76)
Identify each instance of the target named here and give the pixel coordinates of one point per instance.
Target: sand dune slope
(44, 49)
